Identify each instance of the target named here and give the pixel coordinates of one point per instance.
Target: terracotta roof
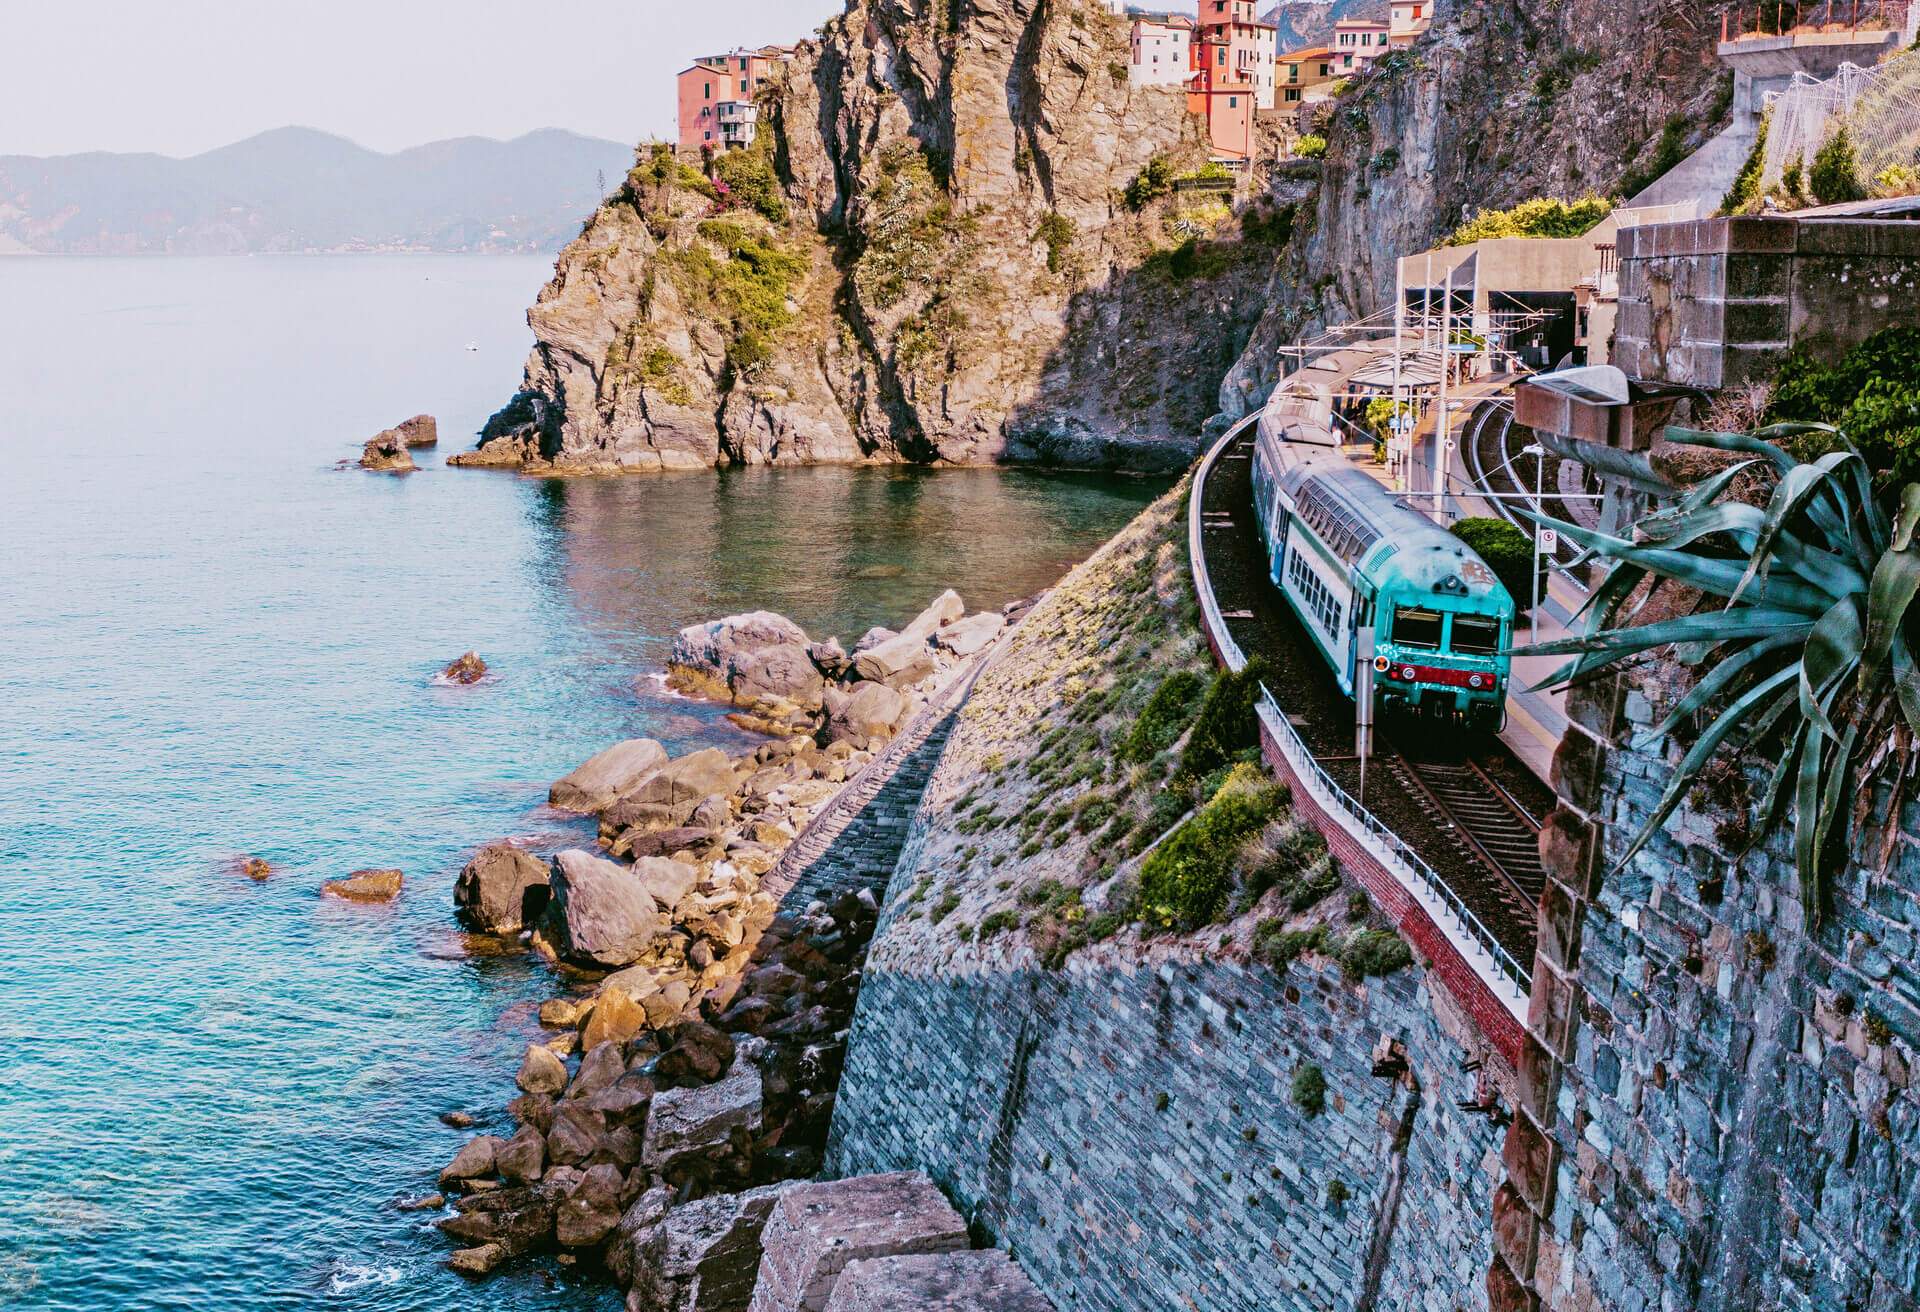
(1314, 52)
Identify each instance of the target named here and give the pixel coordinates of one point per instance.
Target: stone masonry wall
(1718, 1112)
(1126, 1127)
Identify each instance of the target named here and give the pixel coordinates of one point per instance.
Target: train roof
(1368, 527)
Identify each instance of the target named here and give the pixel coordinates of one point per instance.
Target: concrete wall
(1714, 303)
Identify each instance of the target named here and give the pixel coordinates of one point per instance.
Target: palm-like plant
(1807, 648)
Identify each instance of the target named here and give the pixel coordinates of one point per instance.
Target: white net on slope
(1880, 106)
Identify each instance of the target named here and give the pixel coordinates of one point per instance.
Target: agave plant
(1805, 653)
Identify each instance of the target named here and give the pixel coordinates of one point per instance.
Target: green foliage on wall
(751, 182)
(1745, 191)
(1872, 394)
(1226, 723)
(1310, 1089)
(1165, 716)
(1834, 177)
(1188, 880)
(1508, 552)
(1541, 217)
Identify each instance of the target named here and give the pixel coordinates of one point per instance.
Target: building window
(1233, 102)
(706, 89)
(1292, 94)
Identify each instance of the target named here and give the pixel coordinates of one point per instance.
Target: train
(1348, 555)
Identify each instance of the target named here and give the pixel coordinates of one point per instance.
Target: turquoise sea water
(218, 643)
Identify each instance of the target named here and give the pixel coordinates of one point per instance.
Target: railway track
(1482, 818)
(1494, 465)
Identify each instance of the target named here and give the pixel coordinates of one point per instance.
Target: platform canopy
(1417, 369)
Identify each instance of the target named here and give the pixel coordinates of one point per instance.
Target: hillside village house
(1162, 50)
(716, 97)
(1411, 19)
(1236, 48)
(1357, 42)
(1305, 75)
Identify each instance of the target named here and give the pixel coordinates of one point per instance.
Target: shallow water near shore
(220, 644)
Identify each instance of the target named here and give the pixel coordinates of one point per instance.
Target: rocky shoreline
(690, 1077)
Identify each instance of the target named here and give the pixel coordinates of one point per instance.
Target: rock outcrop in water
(927, 258)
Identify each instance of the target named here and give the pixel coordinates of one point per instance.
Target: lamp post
(1539, 455)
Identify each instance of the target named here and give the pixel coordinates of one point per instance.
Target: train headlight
(1380, 664)
(1473, 681)
(1409, 673)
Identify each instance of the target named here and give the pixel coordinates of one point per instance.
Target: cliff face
(945, 271)
(1504, 100)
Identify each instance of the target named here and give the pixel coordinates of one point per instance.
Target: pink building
(1234, 49)
(1357, 42)
(716, 97)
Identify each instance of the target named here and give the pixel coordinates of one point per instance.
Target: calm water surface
(219, 643)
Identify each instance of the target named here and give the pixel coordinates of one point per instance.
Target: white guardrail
(1506, 978)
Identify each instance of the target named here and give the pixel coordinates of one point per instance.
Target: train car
(1347, 554)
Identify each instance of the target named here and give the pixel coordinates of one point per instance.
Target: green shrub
(1668, 152)
(1835, 175)
(1746, 183)
(1165, 716)
(1873, 394)
(1311, 146)
(1058, 232)
(1371, 952)
(749, 289)
(1270, 224)
(1169, 804)
(1508, 551)
(1226, 723)
(1280, 947)
(1105, 925)
(998, 922)
(1542, 217)
(1310, 1089)
(1189, 879)
(1191, 259)
(1151, 183)
(944, 907)
(750, 183)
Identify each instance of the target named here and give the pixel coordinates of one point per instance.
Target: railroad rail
(1490, 460)
(1489, 824)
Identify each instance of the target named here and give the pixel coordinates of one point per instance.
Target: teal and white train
(1347, 554)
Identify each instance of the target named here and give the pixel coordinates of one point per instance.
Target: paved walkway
(856, 841)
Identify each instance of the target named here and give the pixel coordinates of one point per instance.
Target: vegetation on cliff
(1103, 779)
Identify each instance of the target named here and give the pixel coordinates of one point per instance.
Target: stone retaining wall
(1128, 1128)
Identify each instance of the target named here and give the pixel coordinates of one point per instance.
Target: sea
(221, 640)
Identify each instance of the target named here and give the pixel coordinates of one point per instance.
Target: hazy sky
(183, 76)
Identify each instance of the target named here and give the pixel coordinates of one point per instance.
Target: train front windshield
(1417, 627)
(1476, 635)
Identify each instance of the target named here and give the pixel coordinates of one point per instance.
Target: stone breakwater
(708, 1023)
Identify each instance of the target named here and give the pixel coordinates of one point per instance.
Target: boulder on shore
(868, 715)
(366, 886)
(597, 783)
(600, 914)
(945, 609)
(898, 662)
(501, 890)
(685, 1124)
(702, 1254)
(541, 1071)
(668, 797)
(705, 656)
(817, 1228)
(987, 1280)
(967, 636)
(784, 675)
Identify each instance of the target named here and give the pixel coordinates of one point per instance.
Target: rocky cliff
(926, 257)
(1502, 101)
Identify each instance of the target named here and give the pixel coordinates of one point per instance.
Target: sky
(183, 76)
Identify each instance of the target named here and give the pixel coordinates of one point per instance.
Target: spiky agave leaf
(1809, 641)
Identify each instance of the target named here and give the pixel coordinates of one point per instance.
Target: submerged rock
(604, 777)
(366, 886)
(502, 889)
(477, 1261)
(255, 868)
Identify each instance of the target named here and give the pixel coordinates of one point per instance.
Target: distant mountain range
(296, 190)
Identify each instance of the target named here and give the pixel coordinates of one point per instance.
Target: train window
(1478, 635)
(1413, 627)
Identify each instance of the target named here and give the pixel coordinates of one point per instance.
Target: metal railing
(1481, 951)
(1389, 849)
